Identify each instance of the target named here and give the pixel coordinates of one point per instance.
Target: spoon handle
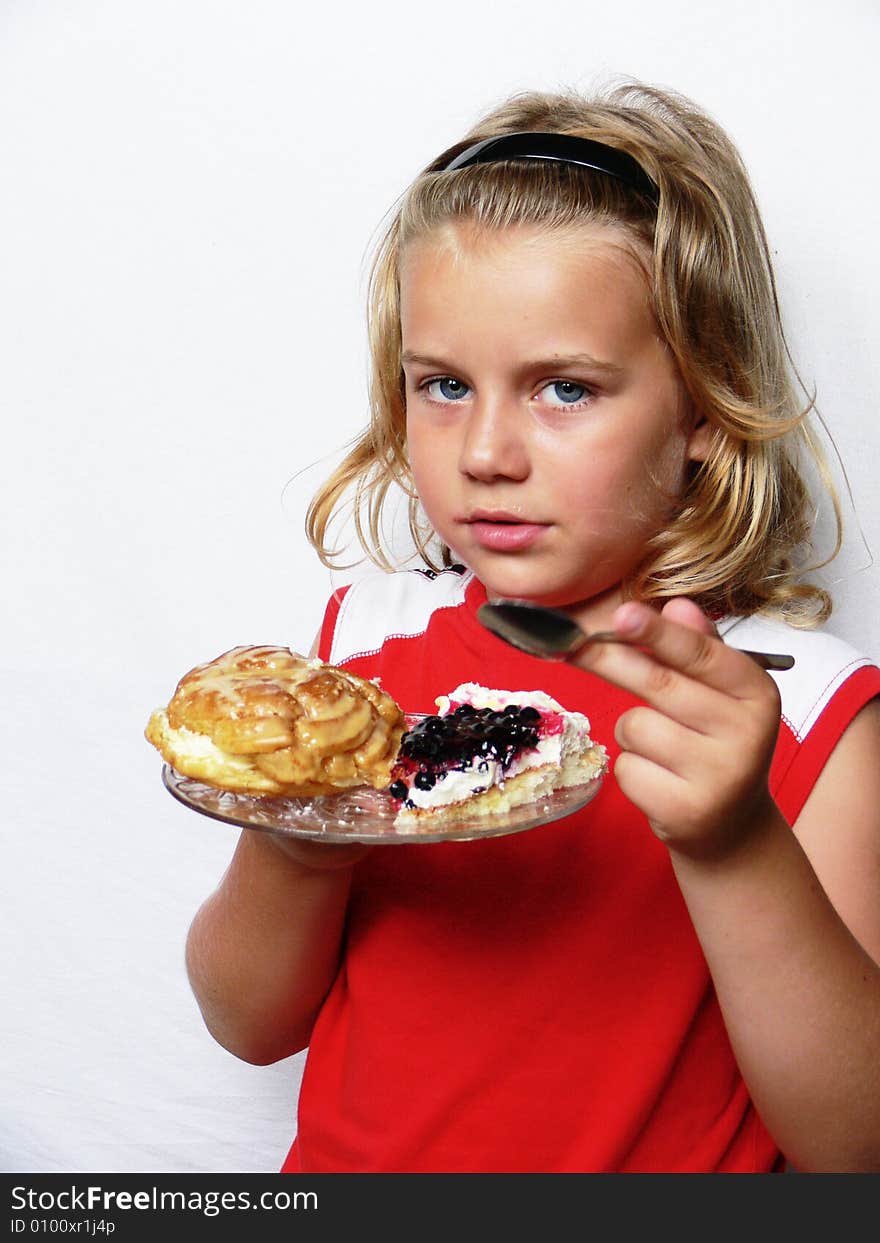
(777, 661)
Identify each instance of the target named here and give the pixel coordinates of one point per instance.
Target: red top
(539, 1001)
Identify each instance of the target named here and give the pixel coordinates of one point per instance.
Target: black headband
(567, 148)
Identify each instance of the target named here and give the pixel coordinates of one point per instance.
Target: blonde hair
(737, 537)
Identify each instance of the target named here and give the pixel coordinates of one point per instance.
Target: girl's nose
(494, 445)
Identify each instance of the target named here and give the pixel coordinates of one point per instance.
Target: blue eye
(446, 390)
(450, 388)
(568, 392)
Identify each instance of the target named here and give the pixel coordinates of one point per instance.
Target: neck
(592, 614)
(597, 612)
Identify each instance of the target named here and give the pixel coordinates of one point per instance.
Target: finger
(700, 708)
(665, 742)
(654, 790)
(686, 613)
(695, 653)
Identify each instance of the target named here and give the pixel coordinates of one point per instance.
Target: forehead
(526, 283)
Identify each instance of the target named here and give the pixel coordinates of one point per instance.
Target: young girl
(580, 378)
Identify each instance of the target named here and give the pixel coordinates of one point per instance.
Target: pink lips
(503, 532)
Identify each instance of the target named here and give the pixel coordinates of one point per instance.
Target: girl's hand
(317, 856)
(695, 759)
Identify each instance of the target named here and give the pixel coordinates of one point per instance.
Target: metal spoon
(550, 633)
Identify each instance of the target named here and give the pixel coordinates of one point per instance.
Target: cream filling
(187, 742)
(456, 785)
(484, 697)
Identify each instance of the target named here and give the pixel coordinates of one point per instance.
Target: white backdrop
(189, 191)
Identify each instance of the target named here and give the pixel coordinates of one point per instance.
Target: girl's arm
(789, 919)
(264, 948)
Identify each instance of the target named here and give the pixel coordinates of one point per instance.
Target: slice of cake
(487, 751)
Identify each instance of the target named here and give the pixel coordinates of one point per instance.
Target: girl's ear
(700, 440)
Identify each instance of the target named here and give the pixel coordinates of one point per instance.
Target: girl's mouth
(507, 534)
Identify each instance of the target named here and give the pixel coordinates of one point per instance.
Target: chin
(522, 583)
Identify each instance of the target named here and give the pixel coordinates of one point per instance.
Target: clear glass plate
(364, 814)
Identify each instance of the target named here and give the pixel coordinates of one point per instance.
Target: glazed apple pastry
(267, 721)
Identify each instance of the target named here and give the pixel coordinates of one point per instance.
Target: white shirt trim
(392, 606)
(822, 664)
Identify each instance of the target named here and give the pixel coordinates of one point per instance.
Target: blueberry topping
(466, 733)
(397, 790)
(425, 780)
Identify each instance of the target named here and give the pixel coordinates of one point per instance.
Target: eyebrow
(539, 364)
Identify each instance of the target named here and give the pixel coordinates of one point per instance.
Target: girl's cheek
(580, 481)
(414, 446)
(428, 476)
(419, 462)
